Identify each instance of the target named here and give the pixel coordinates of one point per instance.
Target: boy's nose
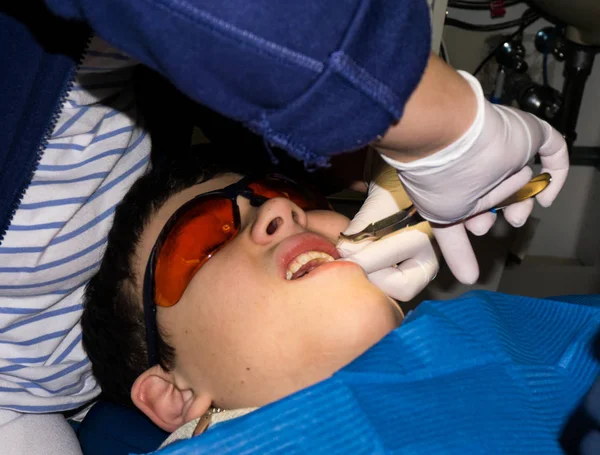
(276, 219)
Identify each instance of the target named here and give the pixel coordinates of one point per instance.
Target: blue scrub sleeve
(313, 77)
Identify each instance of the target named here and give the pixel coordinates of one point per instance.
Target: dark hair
(114, 334)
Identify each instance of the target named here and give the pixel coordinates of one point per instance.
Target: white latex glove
(485, 166)
(400, 264)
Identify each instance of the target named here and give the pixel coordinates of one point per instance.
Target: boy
(185, 320)
(260, 259)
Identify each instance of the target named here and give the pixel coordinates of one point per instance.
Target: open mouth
(305, 263)
(300, 254)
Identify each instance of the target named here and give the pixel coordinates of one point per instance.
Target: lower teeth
(316, 262)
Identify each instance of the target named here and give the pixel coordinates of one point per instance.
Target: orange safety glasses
(197, 231)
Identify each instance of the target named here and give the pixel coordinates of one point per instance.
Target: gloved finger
(360, 221)
(379, 204)
(458, 252)
(391, 250)
(407, 280)
(481, 224)
(547, 197)
(507, 188)
(517, 214)
(554, 156)
(347, 249)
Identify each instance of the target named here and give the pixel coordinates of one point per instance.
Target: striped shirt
(58, 234)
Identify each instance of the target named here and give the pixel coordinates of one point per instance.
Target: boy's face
(243, 334)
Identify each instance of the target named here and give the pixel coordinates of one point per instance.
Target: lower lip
(328, 266)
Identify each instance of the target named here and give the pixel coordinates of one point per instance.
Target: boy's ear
(155, 393)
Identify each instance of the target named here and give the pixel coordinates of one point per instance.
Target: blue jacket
(313, 77)
(38, 58)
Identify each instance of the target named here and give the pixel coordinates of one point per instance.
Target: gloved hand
(400, 264)
(485, 166)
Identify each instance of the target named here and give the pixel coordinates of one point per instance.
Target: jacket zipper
(49, 130)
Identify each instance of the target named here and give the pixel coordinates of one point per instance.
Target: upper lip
(297, 244)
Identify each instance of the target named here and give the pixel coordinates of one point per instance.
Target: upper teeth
(305, 258)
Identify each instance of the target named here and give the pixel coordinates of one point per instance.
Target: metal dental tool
(410, 217)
